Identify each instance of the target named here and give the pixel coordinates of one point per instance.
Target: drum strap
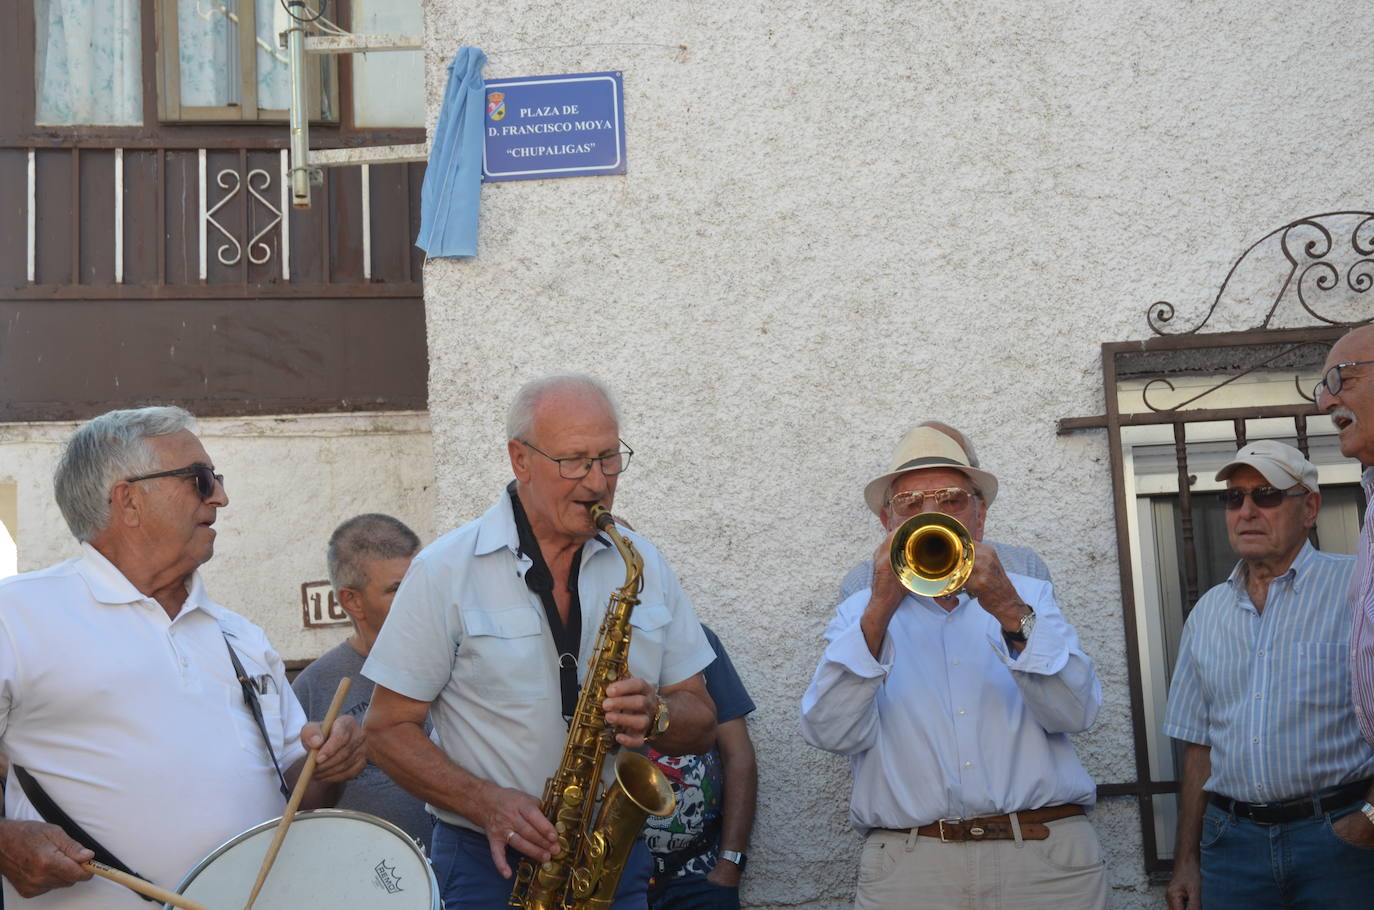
(53, 814)
(250, 698)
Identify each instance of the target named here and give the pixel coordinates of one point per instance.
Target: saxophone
(591, 857)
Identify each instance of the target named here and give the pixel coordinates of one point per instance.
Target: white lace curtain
(208, 34)
(89, 69)
(88, 62)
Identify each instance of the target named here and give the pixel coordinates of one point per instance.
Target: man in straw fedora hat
(955, 713)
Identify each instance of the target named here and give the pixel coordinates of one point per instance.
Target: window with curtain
(223, 60)
(88, 63)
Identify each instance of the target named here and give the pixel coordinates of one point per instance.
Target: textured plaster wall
(290, 481)
(842, 218)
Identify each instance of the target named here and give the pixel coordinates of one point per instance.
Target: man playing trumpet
(955, 712)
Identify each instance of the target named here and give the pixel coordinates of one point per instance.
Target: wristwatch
(740, 859)
(658, 725)
(1368, 810)
(1023, 631)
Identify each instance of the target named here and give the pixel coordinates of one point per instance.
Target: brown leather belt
(996, 827)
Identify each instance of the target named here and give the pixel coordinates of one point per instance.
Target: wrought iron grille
(1318, 269)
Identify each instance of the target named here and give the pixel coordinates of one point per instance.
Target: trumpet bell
(932, 554)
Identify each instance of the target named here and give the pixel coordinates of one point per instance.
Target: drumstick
(301, 783)
(142, 886)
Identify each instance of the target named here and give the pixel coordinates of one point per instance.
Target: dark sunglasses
(204, 475)
(1264, 497)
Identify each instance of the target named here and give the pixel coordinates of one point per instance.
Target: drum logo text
(387, 877)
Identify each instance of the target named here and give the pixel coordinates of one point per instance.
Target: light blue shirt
(1269, 691)
(947, 723)
(466, 633)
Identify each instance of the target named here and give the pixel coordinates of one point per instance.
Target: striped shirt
(1362, 618)
(1269, 691)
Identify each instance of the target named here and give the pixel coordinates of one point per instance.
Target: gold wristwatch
(658, 724)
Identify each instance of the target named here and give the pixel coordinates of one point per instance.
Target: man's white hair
(520, 417)
(103, 451)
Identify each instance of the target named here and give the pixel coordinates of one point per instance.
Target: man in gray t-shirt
(367, 557)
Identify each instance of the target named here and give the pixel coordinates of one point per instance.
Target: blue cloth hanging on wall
(453, 177)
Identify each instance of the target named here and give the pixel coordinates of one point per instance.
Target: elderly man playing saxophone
(487, 635)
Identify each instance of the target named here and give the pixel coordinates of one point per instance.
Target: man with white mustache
(1346, 392)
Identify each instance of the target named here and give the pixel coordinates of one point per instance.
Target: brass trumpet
(932, 554)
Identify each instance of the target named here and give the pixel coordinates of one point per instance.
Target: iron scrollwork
(1284, 354)
(231, 252)
(1309, 246)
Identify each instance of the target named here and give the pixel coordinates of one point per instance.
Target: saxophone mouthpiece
(602, 517)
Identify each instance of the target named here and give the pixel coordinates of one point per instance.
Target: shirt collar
(108, 585)
(1367, 481)
(1297, 571)
(496, 530)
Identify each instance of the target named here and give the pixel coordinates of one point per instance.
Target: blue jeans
(468, 879)
(1248, 866)
(695, 892)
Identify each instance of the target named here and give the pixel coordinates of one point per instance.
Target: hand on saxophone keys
(513, 819)
(630, 707)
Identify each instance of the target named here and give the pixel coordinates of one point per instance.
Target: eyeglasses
(948, 500)
(204, 475)
(575, 467)
(1264, 497)
(1334, 381)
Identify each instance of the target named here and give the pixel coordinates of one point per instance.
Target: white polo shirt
(135, 724)
(466, 633)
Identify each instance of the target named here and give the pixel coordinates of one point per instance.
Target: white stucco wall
(842, 218)
(290, 480)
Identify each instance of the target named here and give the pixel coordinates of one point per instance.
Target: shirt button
(1261, 652)
(1257, 696)
(1255, 740)
(968, 764)
(962, 712)
(955, 661)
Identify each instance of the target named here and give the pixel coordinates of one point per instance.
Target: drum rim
(306, 816)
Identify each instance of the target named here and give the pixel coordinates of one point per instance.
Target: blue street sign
(554, 126)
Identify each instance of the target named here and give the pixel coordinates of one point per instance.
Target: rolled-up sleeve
(413, 654)
(1056, 679)
(1186, 716)
(839, 712)
(686, 650)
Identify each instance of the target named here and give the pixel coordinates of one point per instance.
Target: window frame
(1136, 375)
(170, 110)
(1161, 602)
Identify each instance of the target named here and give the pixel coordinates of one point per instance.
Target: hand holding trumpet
(934, 555)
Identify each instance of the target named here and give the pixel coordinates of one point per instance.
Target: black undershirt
(567, 638)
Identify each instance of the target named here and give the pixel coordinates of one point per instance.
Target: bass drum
(331, 858)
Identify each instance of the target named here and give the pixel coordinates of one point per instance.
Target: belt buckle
(950, 821)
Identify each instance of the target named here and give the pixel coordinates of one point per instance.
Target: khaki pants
(899, 871)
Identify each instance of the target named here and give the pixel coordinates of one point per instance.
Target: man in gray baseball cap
(1274, 764)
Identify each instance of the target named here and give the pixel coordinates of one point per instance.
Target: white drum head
(331, 858)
